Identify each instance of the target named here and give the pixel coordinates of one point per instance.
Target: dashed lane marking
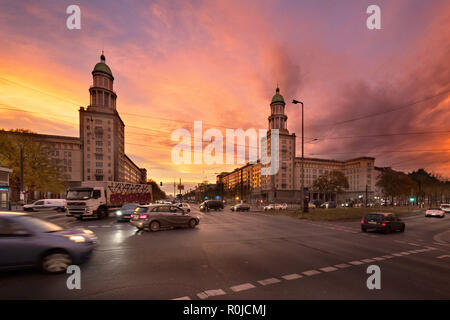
(367, 260)
(292, 276)
(242, 287)
(182, 298)
(311, 273)
(378, 258)
(215, 292)
(266, 282)
(443, 256)
(356, 263)
(342, 265)
(202, 295)
(328, 269)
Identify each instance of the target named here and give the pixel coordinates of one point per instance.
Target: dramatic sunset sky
(219, 61)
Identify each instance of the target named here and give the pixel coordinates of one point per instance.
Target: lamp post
(302, 161)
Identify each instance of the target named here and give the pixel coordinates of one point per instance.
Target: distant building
(5, 191)
(286, 184)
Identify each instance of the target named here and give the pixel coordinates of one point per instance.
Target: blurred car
(155, 217)
(445, 207)
(59, 205)
(124, 213)
(382, 221)
(184, 206)
(275, 206)
(311, 205)
(28, 241)
(435, 212)
(240, 207)
(328, 205)
(211, 205)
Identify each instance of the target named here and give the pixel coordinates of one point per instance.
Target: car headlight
(119, 213)
(87, 231)
(76, 238)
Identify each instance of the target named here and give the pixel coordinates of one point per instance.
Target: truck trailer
(98, 198)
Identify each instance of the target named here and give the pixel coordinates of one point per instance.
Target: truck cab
(87, 202)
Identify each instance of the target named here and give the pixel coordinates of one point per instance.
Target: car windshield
(129, 206)
(39, 225)
(79, 194)
(141, 210)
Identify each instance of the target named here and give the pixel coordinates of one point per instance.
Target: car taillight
(132, 216)
(143, 216)
(362, 221)
(383, 223)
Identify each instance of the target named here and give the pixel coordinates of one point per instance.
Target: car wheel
(56, 262)
(155, 226)
(363, 229)
(192, 223)
(402, 229)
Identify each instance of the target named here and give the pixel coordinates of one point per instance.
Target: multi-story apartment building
(99, 153)
(285, 185)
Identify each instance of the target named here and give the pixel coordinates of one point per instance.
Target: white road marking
(342, 265)
(356, 263)
(182, 298)
(202, 295)
(292, 276)
(311, 273)
(405, 253)
(444, 256)
(328, 269)
(397, 254)
(388, 257)
(242, 287)
(414, 244)
(378, 258)
(266, 282)
(367, 260)
(215, 292)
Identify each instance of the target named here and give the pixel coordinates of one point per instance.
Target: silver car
(155, 217)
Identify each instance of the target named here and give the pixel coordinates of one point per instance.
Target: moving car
(28, 241)
(382, 221)
(435, 212)
(124, 213)
(59, 205)
(445, 207)
(155, 217)
(211, 205)
(184, 206)
(328, 205)
(275, 206)
(240, 207)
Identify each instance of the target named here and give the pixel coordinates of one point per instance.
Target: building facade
(98, 154)
(285, 185)
(5, 191)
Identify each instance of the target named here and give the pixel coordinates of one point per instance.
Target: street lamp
(302, 162)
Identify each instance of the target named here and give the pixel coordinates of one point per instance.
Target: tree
(395, 184)
(41, 173)
(330, 183)
(157, 193)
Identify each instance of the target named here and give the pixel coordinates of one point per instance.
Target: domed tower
(102, 130)
(102, 94)
(277, 118)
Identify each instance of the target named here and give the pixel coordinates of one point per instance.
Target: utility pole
(21, 175)
(174, 184)
(366, 196)
(242, 184)
(302, 191)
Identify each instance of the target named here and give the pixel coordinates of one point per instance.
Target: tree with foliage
(41, 173)
(330, 183)
(395, 184)
(157, 193)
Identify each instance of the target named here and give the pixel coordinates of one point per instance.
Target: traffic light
(412, 199)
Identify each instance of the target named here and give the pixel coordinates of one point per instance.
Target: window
(99, 143)
(99, 164)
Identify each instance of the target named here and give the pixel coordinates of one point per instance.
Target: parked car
(124, 213)
(211, 205)
(59, 205)
(28, 241)
(311, 205)
(328, 205)
(445, 207)
(184, 206)
(435, 212)
(382, 221)
(155, 217)
(241, 207)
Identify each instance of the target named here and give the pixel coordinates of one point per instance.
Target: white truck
(97, 198)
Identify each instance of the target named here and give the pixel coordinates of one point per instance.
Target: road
(251, 256)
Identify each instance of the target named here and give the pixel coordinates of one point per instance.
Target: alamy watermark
(189, 149)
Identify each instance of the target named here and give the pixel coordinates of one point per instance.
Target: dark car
(28, 241)
(211, 205)
(124, 213)
(381, 221)
(155, 217)
(241, 207)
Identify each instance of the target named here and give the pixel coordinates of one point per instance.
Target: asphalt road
(251, 256)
